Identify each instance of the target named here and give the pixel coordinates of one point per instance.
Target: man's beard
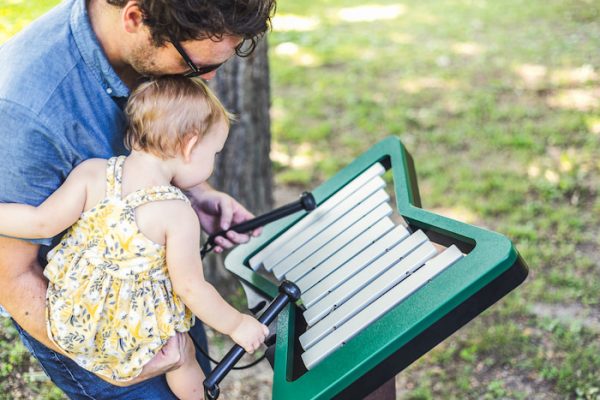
(142, 61)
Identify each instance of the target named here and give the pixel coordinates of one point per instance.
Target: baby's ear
(188, 146)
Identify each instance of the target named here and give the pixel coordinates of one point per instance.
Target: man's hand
(219, 211)
(171, 356)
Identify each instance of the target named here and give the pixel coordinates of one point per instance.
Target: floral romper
(110, 302)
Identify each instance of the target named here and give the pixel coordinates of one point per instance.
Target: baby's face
(202, 158)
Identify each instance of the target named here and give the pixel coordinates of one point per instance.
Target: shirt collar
(92, 52)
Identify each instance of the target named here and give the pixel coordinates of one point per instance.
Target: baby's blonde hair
(165, 111)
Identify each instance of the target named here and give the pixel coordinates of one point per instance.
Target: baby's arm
(55, 214)
(185, 269)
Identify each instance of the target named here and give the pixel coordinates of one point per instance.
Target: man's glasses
(194, 69)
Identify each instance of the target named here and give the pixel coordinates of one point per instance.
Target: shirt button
(109, 91)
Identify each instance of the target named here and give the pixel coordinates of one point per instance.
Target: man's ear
(132, 17)
(188, 146)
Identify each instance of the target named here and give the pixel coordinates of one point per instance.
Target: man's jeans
(78, 383)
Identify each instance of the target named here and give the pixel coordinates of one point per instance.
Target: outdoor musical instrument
(380, 285)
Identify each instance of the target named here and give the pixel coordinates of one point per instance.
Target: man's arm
(23, 287)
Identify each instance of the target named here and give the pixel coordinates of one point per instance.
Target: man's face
(149, 60)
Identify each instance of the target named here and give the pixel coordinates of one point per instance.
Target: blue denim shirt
(60, 104)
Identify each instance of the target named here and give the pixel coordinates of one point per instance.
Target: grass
(20, 375)
(499, 104)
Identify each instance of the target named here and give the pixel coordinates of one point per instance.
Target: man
(63, 83)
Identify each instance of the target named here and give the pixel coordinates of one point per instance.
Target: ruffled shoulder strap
(155, 193)
(114, 176)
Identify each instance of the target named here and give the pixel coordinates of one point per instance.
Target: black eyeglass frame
(194, 69)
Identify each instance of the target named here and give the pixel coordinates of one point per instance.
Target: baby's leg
(186, 381)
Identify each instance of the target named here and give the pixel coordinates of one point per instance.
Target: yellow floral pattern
(110, 302)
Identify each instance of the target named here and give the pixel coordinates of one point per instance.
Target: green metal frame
(489, 255)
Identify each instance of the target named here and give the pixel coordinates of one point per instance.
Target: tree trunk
(243, 169)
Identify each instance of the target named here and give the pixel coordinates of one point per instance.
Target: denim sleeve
(32, 166)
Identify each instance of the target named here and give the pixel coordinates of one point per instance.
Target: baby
(127, 275)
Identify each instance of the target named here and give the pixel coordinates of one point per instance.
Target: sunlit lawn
(499, 104)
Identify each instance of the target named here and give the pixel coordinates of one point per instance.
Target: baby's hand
(249, 333)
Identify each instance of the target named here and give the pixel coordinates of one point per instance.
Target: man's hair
(165, 111)
(183, 20)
